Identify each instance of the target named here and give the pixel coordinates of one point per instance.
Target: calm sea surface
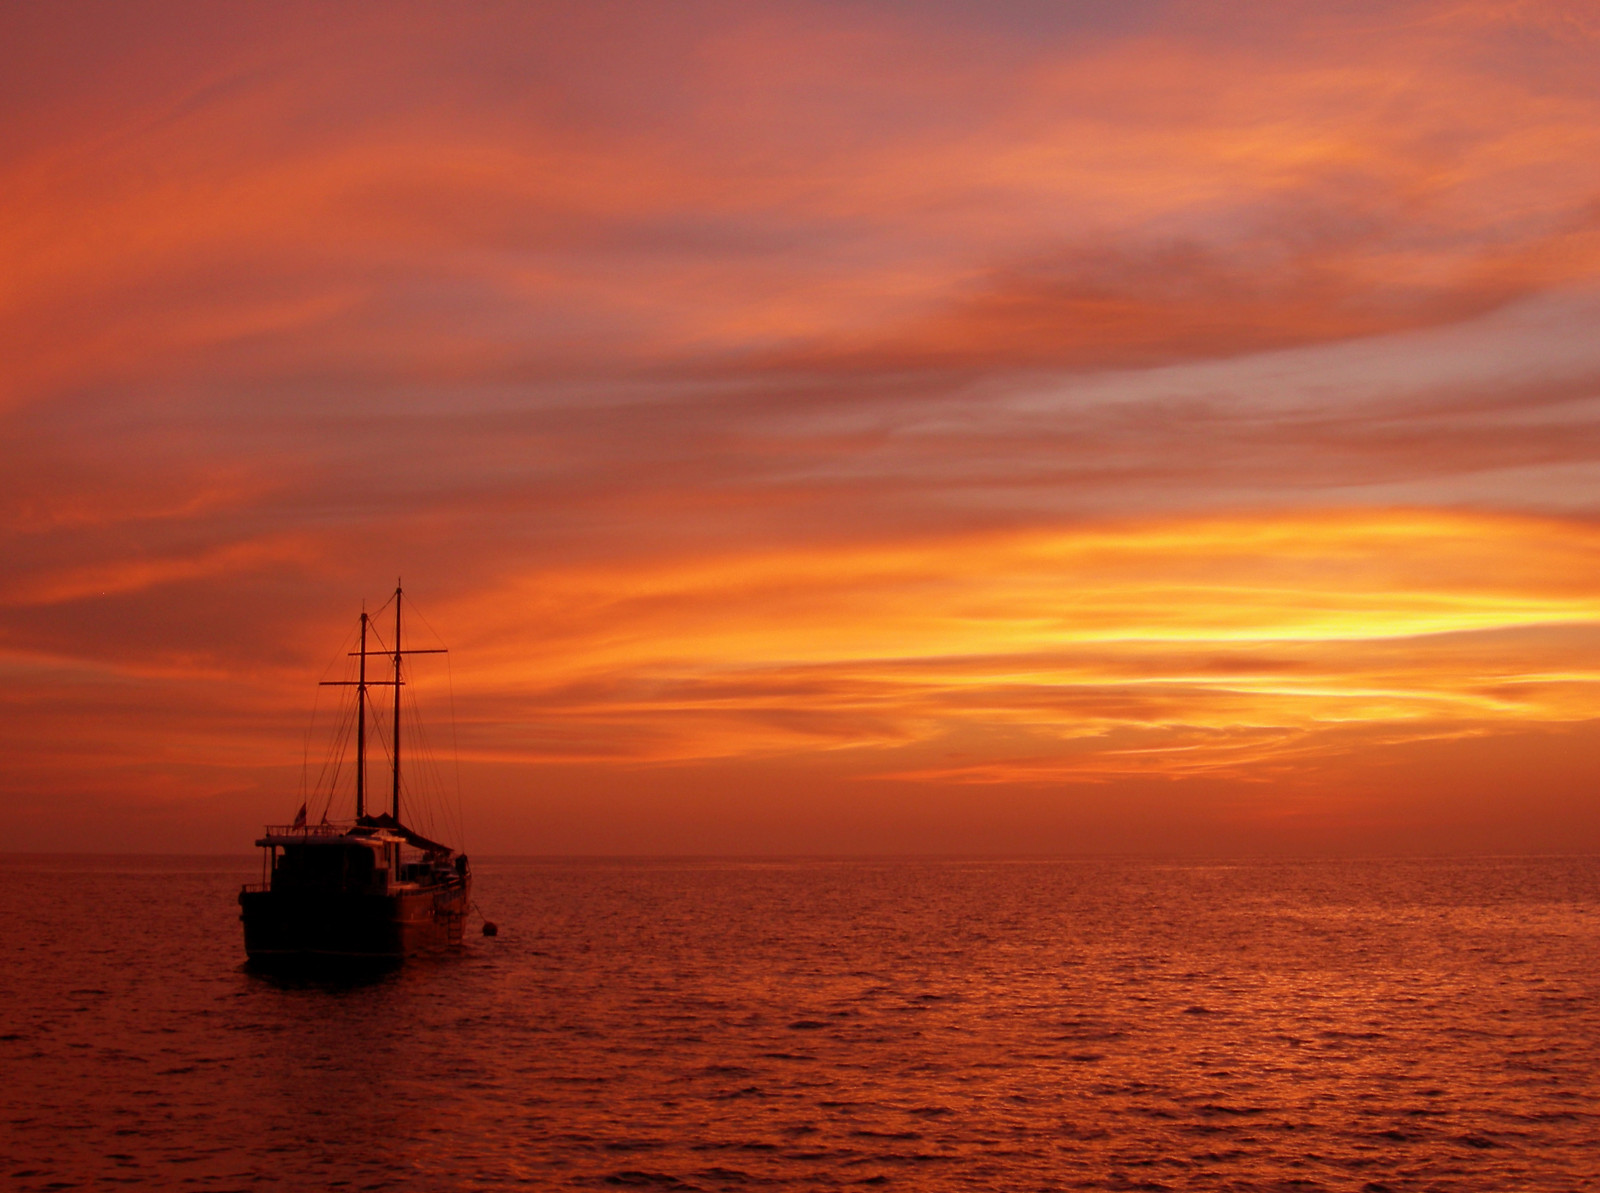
(817, 1025)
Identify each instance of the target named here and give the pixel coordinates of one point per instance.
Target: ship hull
(286, 928)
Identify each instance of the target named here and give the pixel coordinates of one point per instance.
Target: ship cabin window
(327, 867)
(428, 868)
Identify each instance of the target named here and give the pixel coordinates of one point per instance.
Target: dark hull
(286, 928)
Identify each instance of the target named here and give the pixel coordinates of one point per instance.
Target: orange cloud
(865, 193)
(917, 400)
(137, 575)
(1218, 645)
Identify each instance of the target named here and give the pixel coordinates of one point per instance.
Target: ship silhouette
(370, 890)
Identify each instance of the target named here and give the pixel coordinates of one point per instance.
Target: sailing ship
(369, 889)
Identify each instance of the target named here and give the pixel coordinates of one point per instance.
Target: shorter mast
(360, 684)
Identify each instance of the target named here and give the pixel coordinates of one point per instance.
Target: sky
(1132, 427)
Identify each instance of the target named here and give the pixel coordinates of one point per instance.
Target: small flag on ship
(300, 817)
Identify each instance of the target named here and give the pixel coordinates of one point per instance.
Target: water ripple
(814, 1025)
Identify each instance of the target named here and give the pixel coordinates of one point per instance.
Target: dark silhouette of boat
(365, 891)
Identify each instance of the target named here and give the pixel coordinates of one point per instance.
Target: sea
(805, 1024)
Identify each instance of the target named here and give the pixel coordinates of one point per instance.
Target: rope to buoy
(490, 928)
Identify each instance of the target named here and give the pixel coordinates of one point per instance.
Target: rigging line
(341, 749)
(441, 800)
(333, 764)
(424, 770)
(311, 728)
(378, 710)
(327, 763)
(305, 753)
(306, 790)
(455, 740)
(423, 779)
(435, 802)
(415, 612)
(379, 713)
(455, 752)
(414, 782)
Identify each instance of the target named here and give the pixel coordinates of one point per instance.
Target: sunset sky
(813, 427)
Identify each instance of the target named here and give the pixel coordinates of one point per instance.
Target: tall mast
(397, 653)
(361, 725)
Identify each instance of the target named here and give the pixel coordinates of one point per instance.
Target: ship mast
(397, 652)
(398, 682)
(361, 684)
(361, 725)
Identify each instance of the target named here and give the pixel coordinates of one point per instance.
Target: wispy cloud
(999, 395)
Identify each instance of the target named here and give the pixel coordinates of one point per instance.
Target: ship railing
(325, 829)
(255, 886)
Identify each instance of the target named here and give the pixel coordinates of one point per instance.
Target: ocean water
(1369, 1025)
